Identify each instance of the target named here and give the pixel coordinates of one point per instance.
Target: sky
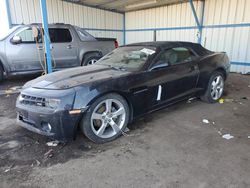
(4, 25)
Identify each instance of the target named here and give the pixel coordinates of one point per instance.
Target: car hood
(73, 77)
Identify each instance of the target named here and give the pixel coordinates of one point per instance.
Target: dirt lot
(169, 148)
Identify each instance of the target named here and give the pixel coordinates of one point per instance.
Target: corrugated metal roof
(126, 5)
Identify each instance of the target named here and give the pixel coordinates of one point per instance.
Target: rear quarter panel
(211, 63)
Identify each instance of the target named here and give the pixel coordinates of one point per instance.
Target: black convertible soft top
(198, 48)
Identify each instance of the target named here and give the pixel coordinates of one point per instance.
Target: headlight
(52, 103)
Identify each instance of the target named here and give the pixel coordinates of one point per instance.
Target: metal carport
(226, 23)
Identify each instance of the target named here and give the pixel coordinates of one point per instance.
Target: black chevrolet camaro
(128, 83)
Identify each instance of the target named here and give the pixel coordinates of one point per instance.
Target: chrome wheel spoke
(114, 126)
(101, 129)
(216, 94)
(213, 84)
(220, 92)
(119, 112)
(108, 104)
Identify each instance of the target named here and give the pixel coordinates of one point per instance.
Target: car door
(176, 80)
(64, 48)
(27, 55)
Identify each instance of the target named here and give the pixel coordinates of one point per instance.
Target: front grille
(31, 100)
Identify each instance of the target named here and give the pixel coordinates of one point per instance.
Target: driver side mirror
(16, 40)
(159, 65)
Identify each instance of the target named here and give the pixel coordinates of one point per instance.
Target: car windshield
(130, 58)
(4, 35)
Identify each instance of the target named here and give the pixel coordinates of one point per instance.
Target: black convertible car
(129, 82)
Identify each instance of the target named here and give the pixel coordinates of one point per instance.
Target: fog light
(46, 126)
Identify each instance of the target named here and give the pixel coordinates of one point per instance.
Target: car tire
(90, 59)
(106, 118)
(1, 74)
(215, 88)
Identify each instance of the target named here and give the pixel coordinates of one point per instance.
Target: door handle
(69, 47)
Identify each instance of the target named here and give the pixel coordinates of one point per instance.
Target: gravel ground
(169, 148)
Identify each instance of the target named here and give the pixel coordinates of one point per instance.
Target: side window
(177, 55)
(166, 57)
(84, 36)
(59, 35)
(183, 55)
(26, 36)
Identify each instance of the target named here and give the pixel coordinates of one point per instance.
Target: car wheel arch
(95, 53)
(221, 70)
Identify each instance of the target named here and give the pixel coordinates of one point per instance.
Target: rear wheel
(215, 88)
(90, 59)
(106, 119)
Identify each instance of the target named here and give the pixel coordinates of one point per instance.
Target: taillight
(116, 44)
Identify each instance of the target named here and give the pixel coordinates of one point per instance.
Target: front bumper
(59, 125)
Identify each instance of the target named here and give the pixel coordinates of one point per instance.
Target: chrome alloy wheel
(108, 118)
(92, 61)
(217, 87)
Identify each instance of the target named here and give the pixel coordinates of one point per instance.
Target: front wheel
(106, 119)
(215, 88)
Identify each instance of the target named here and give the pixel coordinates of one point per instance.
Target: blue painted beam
(196, 19)
(192, 27)
(46, 35)
(202, 21)
(194, 13)
(162, 29)
(97, 29)
(227, 25)
(240, 63)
